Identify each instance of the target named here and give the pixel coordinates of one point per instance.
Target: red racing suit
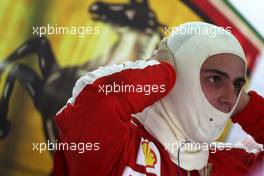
(117, 144)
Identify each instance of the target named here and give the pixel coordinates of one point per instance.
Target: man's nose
(228, 98)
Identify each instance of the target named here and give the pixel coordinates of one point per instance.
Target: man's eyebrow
(216, 71)
(239, 79)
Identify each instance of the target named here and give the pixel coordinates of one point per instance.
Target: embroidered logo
(149, 155)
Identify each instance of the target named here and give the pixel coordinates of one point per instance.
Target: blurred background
(37, 73)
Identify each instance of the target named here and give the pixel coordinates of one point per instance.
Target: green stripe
(244, 20)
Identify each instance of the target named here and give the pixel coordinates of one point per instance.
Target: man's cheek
(211, 94)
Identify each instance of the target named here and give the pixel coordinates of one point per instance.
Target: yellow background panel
(17, 21)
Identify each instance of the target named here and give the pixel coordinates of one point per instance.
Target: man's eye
(215, 81)
(238, 87)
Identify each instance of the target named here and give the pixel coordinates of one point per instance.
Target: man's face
(222, 78)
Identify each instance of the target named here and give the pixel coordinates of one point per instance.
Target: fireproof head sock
(186, 104)
(185, 115)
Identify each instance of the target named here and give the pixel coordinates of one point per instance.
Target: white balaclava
(185, 115)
